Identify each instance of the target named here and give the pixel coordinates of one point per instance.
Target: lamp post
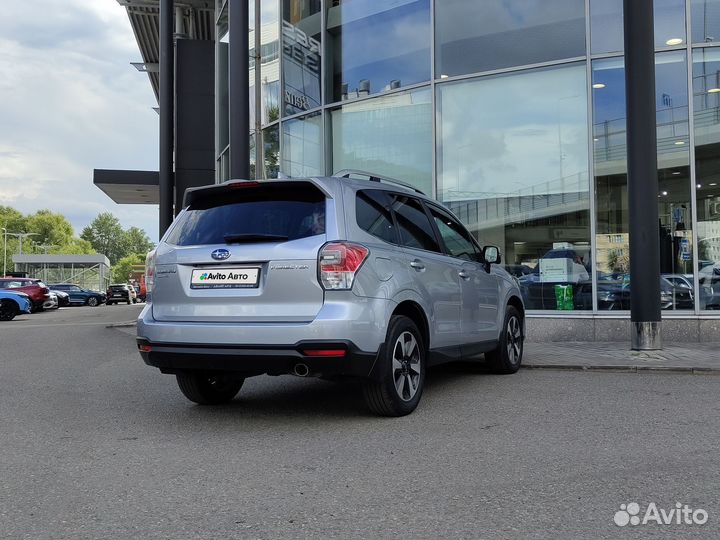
(4, 251)
(20, 237)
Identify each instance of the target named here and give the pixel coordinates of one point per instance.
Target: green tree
(51, 229)
(138, 241)
(75, 246)
(121, 270)
(107, 237)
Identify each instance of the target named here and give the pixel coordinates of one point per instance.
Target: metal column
(642, 175)
(167, 113)
(238, 80)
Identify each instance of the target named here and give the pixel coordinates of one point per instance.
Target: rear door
(246, 255)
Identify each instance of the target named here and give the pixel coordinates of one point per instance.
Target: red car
(34, 288)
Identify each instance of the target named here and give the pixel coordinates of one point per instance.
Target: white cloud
(70, 102)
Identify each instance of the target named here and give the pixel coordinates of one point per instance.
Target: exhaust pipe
(301, 370)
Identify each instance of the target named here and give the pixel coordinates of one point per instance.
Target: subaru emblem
(220, 254)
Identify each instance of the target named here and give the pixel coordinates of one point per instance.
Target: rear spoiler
(198, 193)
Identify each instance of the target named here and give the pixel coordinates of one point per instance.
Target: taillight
(338, 262)
(149, 271)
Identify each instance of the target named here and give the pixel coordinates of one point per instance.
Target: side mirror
(492, 254)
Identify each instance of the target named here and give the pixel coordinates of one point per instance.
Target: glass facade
(390, 135)
(375, 46)
(510, 112)
(512, 163)
(517, 33)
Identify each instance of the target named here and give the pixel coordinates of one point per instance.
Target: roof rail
(346, 173)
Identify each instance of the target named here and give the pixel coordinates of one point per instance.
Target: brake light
(242, 185)
(149, 271)
(338, 263)
(326, 353)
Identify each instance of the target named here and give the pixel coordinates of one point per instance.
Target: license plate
(117, 294)
(225, 278)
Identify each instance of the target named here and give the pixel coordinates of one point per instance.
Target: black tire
(129, 301)
(92, 301)
(402, 367)
(209, 388)
(507, 358)
(108, 303)
(8, 310)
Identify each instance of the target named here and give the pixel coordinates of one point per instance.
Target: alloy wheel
(514, 340)
(406, 366)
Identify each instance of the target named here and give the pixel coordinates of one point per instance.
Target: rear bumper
(259, 359)
(356, 324)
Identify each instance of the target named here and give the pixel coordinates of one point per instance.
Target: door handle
(463, 274)
(417, 265)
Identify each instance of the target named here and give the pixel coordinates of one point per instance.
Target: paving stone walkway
(685, 357)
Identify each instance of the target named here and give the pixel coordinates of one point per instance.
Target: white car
(51, 302)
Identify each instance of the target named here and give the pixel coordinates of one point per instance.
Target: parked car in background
(34, 288)
(63, 298)
(80, 296)
(140, 293)
(613, 293)
(13, 304)
(120, 293)
(51, 302)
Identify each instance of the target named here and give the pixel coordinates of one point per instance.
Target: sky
(71, 102)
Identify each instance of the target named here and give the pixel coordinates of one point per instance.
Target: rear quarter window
(295, 212)
(373, 214)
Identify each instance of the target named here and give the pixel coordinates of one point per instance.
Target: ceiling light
(679, 143)
(664, 193)
(595, 139)
(713, 183)
(598, 86)
(443, 76)
(674, 41)
(699, 186)
(713, 90)
(676, 172)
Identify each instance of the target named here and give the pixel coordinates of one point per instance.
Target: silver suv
(327, 277)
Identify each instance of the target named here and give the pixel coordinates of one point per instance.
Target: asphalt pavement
(94, 444)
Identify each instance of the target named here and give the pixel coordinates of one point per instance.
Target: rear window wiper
(239, 238)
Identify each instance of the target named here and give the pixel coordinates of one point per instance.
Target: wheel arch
(517, 303)
(413, 311)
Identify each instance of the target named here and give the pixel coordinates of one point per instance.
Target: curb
(130, 324)
(626, 369)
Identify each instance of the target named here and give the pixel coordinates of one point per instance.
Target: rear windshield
(290, 214)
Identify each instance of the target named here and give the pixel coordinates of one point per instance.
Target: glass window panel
(389, 135)
(610, 157)
(453, 235)
(492, 34)
(301, 55)
(669, 22)
(375, 46)
(372, 212)
(414, 225)
(706, 107)
(271, 149)
(705, 17)
(302, 146)
(269, 60)
(606, 24)
(513, 165)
